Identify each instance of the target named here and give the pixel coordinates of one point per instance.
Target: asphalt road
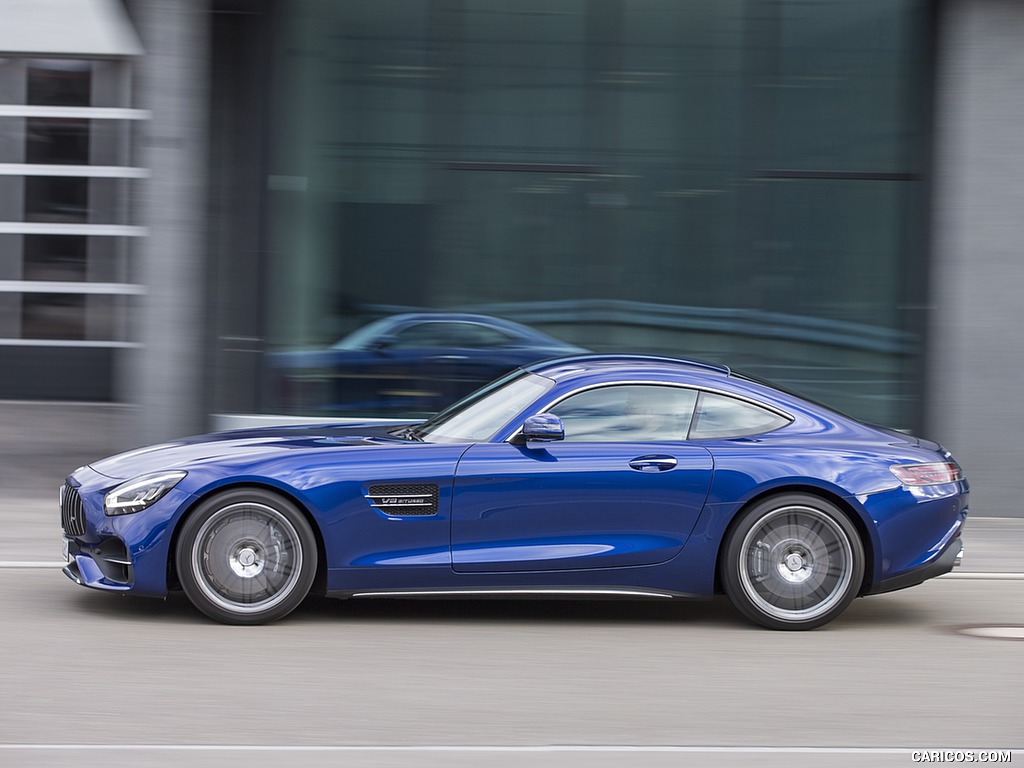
(434, 678)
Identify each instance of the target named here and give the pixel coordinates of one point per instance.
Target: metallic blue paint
(373, 370)
(540, 515)
(518, 508)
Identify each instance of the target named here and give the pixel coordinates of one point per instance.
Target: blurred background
(220, 210)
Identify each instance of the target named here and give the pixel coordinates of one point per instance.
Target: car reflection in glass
(416, 363)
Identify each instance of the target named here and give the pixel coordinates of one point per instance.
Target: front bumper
(123, 553)
(105, 566)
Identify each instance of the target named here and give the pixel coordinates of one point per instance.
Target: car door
(623, 489)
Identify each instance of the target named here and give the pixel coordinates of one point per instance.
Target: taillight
(928, 474)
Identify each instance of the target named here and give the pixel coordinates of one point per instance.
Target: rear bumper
(943, 563)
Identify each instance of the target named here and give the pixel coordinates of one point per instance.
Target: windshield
(480, 416)
(361, 337)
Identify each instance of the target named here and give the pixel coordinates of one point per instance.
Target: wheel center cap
(246, 557)
(794, 562)
(247, 562)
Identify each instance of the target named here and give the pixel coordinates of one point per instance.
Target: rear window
(720, 416)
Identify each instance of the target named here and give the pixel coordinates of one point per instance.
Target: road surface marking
(452, 748)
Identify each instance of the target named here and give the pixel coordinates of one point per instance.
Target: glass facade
(739, 181)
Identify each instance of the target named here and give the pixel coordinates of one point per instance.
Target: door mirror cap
(382, 343)
(541, 427)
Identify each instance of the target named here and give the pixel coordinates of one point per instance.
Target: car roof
(451, 317)
(645, 365)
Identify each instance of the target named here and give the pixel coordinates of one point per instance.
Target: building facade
(824, 194)
(69, 176)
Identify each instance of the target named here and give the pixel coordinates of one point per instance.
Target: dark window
(719, 416)
(56, 199)
(627, 413)
(57, 141)
(55, 257)
(438, 334)
(52, 316)
(421, 336)
(476, 336)
(62, 83)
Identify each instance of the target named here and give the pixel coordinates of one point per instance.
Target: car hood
(249, 445)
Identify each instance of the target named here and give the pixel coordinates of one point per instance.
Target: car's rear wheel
(246, 556)
(793, 561)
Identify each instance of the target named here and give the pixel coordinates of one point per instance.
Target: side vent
(404, 500)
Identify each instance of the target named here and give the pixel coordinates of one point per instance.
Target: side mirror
(383, 343)
(541, 427)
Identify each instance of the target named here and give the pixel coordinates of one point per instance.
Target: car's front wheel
(793, 561)
(246, 556)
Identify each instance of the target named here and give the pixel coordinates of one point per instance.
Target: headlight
(142, 492)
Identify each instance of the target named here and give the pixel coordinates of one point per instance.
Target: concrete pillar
(976, 358)
(165, 378)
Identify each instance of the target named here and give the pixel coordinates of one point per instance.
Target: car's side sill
(497, 593)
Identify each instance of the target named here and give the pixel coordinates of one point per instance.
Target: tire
(246, 556)
(793, 561)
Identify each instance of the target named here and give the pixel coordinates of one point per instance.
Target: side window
(476, 336)
(628, 413)
(719, 416)
(449, 335)
(421, 336)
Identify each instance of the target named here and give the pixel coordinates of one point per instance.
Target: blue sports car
(592, 475)
(414, 363)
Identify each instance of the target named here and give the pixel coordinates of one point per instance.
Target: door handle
(653, 463)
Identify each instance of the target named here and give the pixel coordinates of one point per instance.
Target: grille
(404, 500)
(72, 517)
